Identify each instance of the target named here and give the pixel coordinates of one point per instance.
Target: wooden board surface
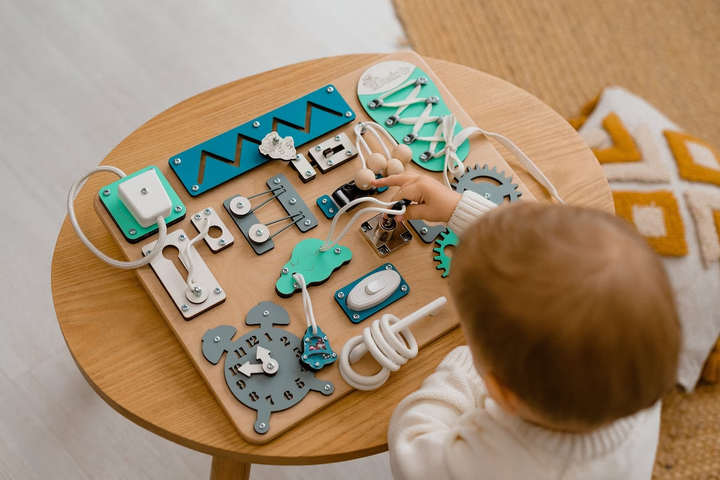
(125, 353)
(248, 278)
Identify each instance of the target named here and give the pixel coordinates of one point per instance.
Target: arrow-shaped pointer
(248, 368)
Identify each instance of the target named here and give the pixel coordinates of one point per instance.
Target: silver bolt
(330, 89)
(487, 195)
(218, 290)
(197, 216)
(337, 250)
(330, 163)
(296, 286)
(307, 222)
(276, 181)
(197, 291)
(306, 340)
(208, 211)
(258, 232)
(132, 231)
(256, 124)
(293, 201)
(327, 387)
(177, 161)
(323, 201)
(148, 252)
(424, 230)
(318, 147)
(308, 173)
(334, 355)
(144, 191)
(331, 210)
(106, 192)
(304, 357)
(178, 209)
(317, 364)
(348, 114)
(182, 237)
(266, 313)
(217, 339)
(337, 138)
(195, 188)
(240, 204)
(222, 242)
(262, 426)
(404, 288)
(388, 267)
(285, 271)
(341, 295)
(348, 153)
(271, 365)
(185, 308)
(325, 337)
(356, 316)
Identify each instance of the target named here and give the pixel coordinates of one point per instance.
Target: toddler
(572, 338)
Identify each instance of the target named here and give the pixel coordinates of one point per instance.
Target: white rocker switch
(373, 290)
(145, 198)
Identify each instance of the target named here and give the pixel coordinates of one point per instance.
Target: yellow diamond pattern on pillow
(697, 160)
(645, 210)
(623, 148)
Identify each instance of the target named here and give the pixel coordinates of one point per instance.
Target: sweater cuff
(469, 208)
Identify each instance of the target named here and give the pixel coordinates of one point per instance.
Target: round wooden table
(129, 355)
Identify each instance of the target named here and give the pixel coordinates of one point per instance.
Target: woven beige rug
(566, 51)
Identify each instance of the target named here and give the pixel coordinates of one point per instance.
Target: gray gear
(496, 193)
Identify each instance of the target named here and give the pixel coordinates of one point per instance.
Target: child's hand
(435, 202)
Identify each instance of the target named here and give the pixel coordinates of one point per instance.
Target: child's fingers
(395, 180)
(416, 211)
(410, 191)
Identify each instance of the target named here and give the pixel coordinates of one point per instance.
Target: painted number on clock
(252, 341)
(254, 396)
(285, 341)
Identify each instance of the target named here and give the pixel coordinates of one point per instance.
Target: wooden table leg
(227, 468)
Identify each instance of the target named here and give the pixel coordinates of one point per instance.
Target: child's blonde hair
(569, 309)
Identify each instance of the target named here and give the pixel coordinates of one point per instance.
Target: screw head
(423, 156)
(217, 339)
(325, 337)
(256, 124)
(317, 364)
(240, 204)
(185, 308)
(330, 163)
(266, 313)
(331, 210)
(424, 230)
(195, 188)
(304, 357)
(148, 252)
(337, 138)
(222, 241)
(177, 161)
(207, 211)
(292, 201)
(306, 340)
(106, 192)
(276, 181)
(404, 288)
(285, 271)
(388, 267)
(356, 316)
(308, 173)
(323, 201)
(258, 232)
(348, 114)
(296, 286)
(262, 425)
(307, 222)
(178, 209)
(218, 290)
(132, 231)
(327, 387)
(318, 147)
(334, 355)
(144, 191)
(487, 195)
(348, 153)
(341, 295)
(197, 216)
(330, 89)
(271, 365)
(406, 139)
(182, 237)
(337, 250)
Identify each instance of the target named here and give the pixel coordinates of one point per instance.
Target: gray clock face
(262, 368)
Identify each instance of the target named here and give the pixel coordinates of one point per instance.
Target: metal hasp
(189, 303)
(385, 234)
(496, 190)
(396, 82)
(357, 316)
(316, 350)
(220, 243)
(124, 220)
(333, 152)
(262, 367)
(235, 152)
(300, 164)
(239, 209)
(315, 265)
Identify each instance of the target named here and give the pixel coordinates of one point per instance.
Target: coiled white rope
(307, 303)
(373, 128)
(329, 243)
(72, 195)
(390, 342)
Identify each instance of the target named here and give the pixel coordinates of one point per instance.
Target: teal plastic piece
(399, 131)
(131, 230)
(316, 350)
(327, 206)
(235, 152)
(314, 265)
(357, 317)
(447, 238)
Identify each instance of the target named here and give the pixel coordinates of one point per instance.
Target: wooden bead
(376, 162)
(364, 179)
(403, 153)
(394, 167)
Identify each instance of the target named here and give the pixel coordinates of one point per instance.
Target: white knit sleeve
(423, 422)
(470, 207)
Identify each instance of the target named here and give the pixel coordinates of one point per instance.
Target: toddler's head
(568, 313)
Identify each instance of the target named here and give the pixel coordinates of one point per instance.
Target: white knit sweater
(452, 429)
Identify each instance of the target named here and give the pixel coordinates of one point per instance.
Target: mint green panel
(131, 230)
(398, 131)
(314, 265)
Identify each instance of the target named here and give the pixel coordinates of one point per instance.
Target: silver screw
(185, 308)
(197, 216)
(487, 195)
(356, 316)
(218, 290)
(208, 211)
(217, 339)
(271, 365)
(148, 252)
(388, 267)
(304, 357)
(258, 232)
(266, 313)
(329, 89)
(197, 291)
(222, 242)
(348, 153)
(293, 201)
(276, 181)
(296, 286)
(177, 161)
(325, 337)
(307, 222)
(424, 230)
(330, 163)
(132, 231)
(337, 138)
(262, 426)
(341, 295)
(331, 210)
(106, 192)
(337, 250)
(327, 387)
(144, 191)
(256, 124)
(334, 355)
(182, 237)
(404, 288)
(178, 209)
(323, 201)
(348, 114)
(308, 173)
(240, 204)
(285, 271)
(317, 364)
(318, 147)
(306, 340)
(195, 188)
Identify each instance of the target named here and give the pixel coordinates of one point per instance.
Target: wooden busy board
(248, 279)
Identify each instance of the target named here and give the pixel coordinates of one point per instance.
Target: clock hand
(248, 368)
(269, 365)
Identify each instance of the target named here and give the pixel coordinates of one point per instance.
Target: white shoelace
(307, 303)
(373, 128)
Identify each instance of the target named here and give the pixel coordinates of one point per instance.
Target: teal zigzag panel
(235, 152)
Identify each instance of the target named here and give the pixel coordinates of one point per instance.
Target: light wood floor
(76, 77)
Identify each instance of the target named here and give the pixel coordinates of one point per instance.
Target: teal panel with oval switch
(357, 317)
(130, 228)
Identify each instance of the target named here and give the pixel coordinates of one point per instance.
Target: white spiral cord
(390, 342)
(72, 195)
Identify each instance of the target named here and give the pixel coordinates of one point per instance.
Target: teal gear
(446, 239)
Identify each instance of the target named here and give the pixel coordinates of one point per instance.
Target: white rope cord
(329, 243)
(307, 303)
(186, 258)
(373, 128)
(390, 342)
(72, 195)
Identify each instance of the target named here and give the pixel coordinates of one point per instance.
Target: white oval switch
(373, 290)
